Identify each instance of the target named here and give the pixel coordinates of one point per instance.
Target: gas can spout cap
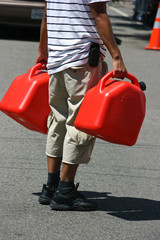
(142, 86)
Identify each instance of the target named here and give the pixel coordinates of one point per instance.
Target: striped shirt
(71, 30)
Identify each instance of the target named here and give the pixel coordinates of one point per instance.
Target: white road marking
(118, 11)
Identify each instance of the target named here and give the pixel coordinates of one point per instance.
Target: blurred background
(143, 10)
(30, 12)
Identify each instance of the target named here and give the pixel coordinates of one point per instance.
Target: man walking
(74, 38)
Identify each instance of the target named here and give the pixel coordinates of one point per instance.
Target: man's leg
(55, 137)
(54, 164)
(68, 172)
(77, 146)
(66, 196)
(66, 184)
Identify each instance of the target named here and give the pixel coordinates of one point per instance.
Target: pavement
(123, 181)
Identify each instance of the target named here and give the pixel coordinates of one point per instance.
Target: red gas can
(113, 110)
(26, 100)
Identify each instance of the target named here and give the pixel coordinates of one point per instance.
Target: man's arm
(104, 29)
(43, 44)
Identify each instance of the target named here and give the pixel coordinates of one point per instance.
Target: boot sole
(72, 207)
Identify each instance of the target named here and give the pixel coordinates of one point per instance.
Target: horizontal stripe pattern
(156, 25)
(71, 29)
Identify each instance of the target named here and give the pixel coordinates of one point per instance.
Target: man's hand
(42, 57)
(119, 69)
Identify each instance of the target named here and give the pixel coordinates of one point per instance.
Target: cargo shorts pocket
(84, 138)
(78, 137)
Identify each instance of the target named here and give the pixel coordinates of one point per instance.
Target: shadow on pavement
(127, 208)
(130, 29)
(22, 33)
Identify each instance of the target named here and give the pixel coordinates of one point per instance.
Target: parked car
(21, 12)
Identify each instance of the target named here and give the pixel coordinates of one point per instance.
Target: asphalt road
(124, 181)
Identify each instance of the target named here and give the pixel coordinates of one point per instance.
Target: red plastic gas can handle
(36, 67)
(109, 75)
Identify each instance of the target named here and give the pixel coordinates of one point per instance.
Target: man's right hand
(42, 57)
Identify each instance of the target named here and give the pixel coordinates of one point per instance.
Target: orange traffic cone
(154, 42)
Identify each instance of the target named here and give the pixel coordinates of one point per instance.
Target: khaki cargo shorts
(66, 92)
